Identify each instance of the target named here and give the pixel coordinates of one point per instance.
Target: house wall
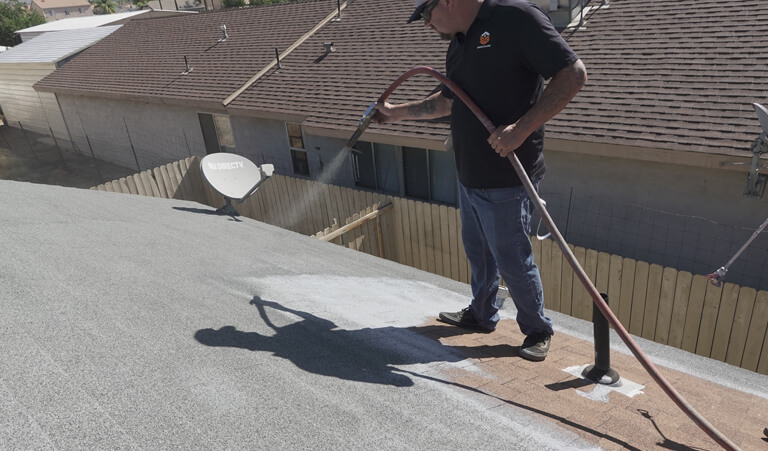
(691, 218)
(266, 141)
(714, 194)
(330, 160)
(64, 12)
(125, 132)
(36, 111)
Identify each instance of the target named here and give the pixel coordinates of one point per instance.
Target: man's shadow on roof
(369, 355)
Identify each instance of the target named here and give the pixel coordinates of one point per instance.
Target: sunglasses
(426, 13)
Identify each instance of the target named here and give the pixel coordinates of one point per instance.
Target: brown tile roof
(670, 74)
(145, 58)
(373, 47)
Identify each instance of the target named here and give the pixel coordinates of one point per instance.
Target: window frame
(295, 151)
(399, 154)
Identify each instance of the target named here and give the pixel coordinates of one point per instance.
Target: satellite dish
(233, 176)
(762, 114)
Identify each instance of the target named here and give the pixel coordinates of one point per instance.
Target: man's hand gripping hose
(580, 273)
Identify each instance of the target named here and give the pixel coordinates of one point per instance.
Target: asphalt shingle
(146, 59)
(677, 75)
(663, 74)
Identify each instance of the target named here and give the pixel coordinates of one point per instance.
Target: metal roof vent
(186, 66)
(328, 46)
(224, 35)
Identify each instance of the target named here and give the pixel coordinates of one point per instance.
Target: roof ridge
(286, 52)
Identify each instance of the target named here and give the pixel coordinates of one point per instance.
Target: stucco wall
(123, 131)
(266, 141)
(690, 218)
(159, 133)
(685, 190)
(26, 108)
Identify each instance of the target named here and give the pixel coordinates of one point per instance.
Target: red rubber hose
(580, 273)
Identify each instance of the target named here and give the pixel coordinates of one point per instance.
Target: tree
(15, 16)
(140, 4)
(103, 6)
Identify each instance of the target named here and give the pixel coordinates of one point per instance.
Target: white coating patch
(366, 301)
(600, 392)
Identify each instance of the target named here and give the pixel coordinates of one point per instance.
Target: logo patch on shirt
(484, 38)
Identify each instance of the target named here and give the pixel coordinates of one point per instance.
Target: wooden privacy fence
(676, 308)
(334, 234)
(300, 205)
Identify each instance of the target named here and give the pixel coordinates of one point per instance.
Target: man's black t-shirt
(501, 63)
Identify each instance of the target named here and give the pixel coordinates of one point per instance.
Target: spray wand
(365, 121)
(567, 253)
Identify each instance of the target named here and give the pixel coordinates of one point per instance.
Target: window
(298, 154)
(442, 176)
(429, 175)
(416, 171)
(80, 10)
(376, 167)
(52, 12)
(224, 133)
(66, 12)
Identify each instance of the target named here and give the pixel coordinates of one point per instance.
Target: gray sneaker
(465, 319)
(535, 347)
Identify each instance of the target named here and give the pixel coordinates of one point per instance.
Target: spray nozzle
(365, 121)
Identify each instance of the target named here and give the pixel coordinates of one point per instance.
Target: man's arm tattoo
(423, 108)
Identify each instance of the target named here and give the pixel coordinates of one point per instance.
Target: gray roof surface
(135, 322)
(129, 322)
(56, 45)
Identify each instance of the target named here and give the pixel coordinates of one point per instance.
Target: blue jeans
(494, 229)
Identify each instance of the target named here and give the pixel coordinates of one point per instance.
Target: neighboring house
(54, 10)
(23, 65)
(90, 21)
(664, 116)
(186, 5)
(141, 77)
(563, 12)
(655, 150)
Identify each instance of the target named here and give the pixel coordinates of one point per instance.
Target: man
(501, 52)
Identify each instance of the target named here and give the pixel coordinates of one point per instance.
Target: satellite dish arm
(266, 171)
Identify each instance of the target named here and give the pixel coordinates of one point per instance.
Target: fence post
(601, 372)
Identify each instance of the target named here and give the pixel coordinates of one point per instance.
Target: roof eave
(261, 114)
(213, 106)
(709, 160)
(393, 138)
